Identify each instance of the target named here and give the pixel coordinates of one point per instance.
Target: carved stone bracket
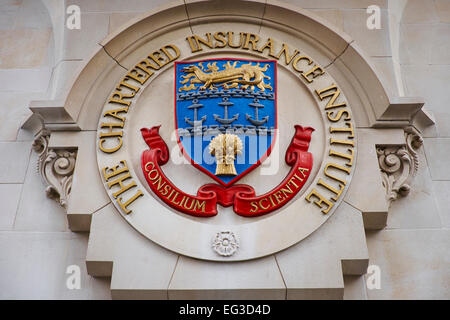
(56, 168)
(399, 164)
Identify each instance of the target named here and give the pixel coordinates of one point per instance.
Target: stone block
(25, 80)
(116, 5)
(36, 211)
(443, 10)
(366, 192)
(333, 16)
(33, 48)
(414, 264)
(118, 19)
(256, 279)
(348, 4)
(110, 240)
(441, 192)
(9, 198)
(355, 288)
(420, 11)
(64, 75)
(416, 43)
(14, 161)
(440, 49)
(314, 268)
(81, 43)
(418, 209)
(374, 42)
(14, 107)
(86, 178)
(34, 265)
(437, 149)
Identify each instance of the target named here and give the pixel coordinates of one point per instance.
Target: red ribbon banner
(242, 197)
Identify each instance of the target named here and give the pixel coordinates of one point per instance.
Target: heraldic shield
(226, 114)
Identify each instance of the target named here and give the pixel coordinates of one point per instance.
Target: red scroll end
(300, 161)
(151, 162)
(299, 143)
(155, 142)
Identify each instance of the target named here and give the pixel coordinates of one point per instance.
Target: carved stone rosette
(225, 243)
(399, 164)
(55, 167)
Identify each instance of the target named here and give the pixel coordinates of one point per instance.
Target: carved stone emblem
(225, 243)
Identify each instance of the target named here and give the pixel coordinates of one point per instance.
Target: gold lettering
(174, 48)
(338, 116)
(137, 76)
(278, 197)
(345, 156)
(160, 182)
(254, 206)
(118, 97)
(114, 171)
(175, 197)
(271, 200)
(113, 113)
(287, 58)
(261, 204)
(230, 40)
(314, 73)
(320, 200)
(122, 167)
(199, 40)
(166, 190)
(182, 201)
(125, 205)
(338, 167)
(302, 171)
(113, 149)
(349, 129)
(298, 59)
(251, 38)
(168, 198)
(286, 189)
(345, 142)
(199, 205)
(335, 92)
(119, 181)
(337, 192)
(192, 204)
(156, 56)
(145, 64)
(220, 37)
(192, 45)
(292, 181)
(127, 85)
(268, 45)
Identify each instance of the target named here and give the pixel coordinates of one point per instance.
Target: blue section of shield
(202, 114)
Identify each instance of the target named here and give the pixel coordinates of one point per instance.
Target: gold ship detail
(225, 147)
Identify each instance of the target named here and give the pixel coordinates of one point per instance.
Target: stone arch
(334, 50)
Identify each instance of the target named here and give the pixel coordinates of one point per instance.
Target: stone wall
(39, 59)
